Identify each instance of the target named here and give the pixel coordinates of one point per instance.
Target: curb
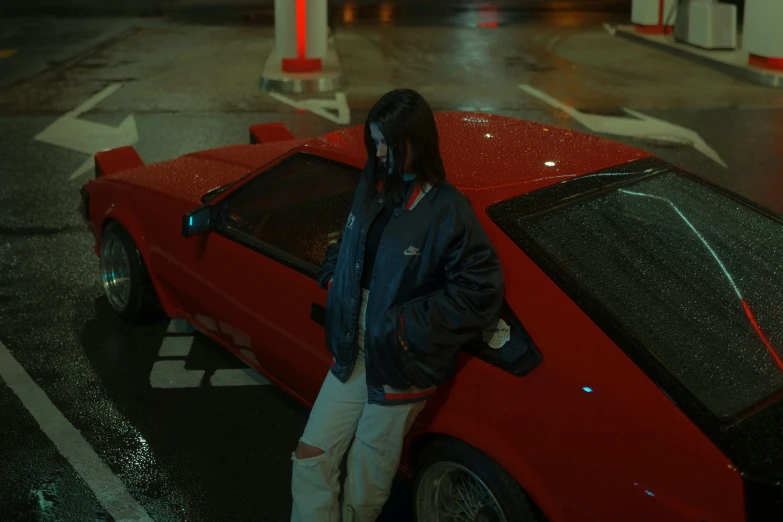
(749, 74)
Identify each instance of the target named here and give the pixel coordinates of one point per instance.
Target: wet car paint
(41, 234)
(668, 457)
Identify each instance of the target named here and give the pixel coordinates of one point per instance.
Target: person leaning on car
(411, 279)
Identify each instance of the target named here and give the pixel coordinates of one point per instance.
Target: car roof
(498, 156)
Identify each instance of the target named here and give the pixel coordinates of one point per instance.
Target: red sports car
(637, 372)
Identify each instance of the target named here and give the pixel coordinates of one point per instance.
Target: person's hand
(402, 342)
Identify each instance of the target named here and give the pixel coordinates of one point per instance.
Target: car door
(256, 272)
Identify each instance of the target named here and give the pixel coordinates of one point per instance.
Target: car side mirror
(197, 221)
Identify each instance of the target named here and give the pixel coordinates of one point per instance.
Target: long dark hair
(403, 117)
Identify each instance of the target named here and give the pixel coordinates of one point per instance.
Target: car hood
(491, 157)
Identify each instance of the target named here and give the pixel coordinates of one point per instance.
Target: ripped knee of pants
(308, 454)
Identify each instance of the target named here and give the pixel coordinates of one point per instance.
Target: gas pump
(709, 24)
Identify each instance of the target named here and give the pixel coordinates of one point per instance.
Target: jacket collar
(415, 194)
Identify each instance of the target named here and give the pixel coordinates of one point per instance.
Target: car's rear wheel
(457, 483)
(124, 277)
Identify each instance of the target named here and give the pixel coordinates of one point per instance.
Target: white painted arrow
(89, 137)
(642, 126)
(322, 107)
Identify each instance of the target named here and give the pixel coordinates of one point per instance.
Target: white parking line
(108, 489)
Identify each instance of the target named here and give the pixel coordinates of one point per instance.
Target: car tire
(126, 283)
(451, 461)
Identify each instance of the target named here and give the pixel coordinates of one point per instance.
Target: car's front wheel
(124, 277)
(457, 483)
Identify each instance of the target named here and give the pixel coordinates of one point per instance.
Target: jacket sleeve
(472, 295)
(330, 263)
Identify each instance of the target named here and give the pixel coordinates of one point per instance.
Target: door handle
(318, 314)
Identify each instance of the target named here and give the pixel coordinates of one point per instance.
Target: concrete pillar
(762, 34)
(301, 34)
(653, 16)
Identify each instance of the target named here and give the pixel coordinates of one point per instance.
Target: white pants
(341, 412)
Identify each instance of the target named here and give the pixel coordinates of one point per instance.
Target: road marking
(175, 346)
(180, 326)
(172, 374)
(321, 106)
(89, 137)
(206, 322)
(237, 377)
(6, 53)
(552, 43)
(108, 489)
(95, 100)
(167, 373)
(611, 29)
(83, 169)
(642, 126)
(239, 337)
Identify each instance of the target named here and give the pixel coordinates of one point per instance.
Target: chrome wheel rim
(450, 492)
(115, 272)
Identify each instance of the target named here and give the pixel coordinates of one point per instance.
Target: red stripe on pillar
(654, 29)
(766, 62)
(660, 27)
(301, 29)
(301, 63)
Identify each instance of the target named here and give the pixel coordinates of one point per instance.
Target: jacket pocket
(414, 364)
(426, 370)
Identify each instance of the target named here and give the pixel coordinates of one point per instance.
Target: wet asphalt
(204, 453)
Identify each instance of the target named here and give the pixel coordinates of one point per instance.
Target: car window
(298, 206)
(695, 275)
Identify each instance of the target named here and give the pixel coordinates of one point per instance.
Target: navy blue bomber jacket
(436, 281)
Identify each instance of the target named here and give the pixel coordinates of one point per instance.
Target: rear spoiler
(269, 132)
(124, 158)
(116, 160)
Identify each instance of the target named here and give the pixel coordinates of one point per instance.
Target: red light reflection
(761, 334)
(487, 15)
(386, 13)
(349, 13)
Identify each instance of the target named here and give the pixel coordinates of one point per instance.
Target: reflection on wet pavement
(191, 80)
(483, 14)
(479, 14)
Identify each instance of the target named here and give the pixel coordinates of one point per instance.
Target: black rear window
(693, 274)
